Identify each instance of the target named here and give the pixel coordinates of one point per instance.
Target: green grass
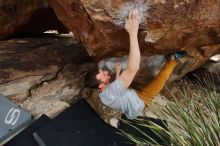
(193, 121)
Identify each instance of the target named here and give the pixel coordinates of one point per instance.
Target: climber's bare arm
(131, 26)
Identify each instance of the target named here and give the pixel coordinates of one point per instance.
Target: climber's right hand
(132, 23)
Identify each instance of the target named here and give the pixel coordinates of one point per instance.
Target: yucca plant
(193, 121)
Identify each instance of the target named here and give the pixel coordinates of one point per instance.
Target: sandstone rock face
(27, 16)
(166, 26)
(43, 74)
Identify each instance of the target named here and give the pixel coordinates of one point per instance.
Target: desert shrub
(193, 121)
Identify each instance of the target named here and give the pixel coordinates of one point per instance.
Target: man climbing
(116, 95)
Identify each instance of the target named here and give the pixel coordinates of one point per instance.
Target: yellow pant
(156, 85)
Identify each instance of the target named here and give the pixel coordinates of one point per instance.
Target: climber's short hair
(90, 80)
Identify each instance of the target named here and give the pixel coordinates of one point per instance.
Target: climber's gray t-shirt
(117, 96)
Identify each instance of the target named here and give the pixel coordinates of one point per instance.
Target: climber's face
(103, 76)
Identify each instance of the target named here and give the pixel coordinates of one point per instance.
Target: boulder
(43, 74)
(166, 27)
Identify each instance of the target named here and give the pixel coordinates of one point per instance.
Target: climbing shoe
(180, 54)
(177, 55)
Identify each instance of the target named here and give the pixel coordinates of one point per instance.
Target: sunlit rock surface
(166, 27)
